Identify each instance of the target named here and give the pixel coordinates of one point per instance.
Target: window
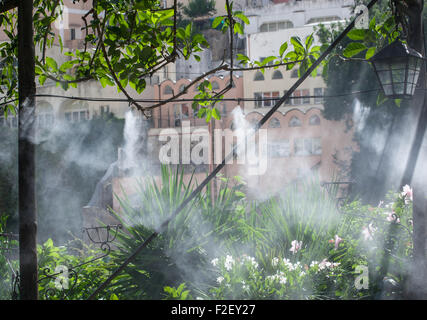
(301, 96)
(305, 96)
(318, 92)
(168, 90)
(104, 109)
(266, 99)
(296, 97)
(258, 99)
(44, 120)
(279, 149)
(181, 88)
(323, 19)
(275, 97)
(274, 123)
(308, 146)
(295, 122)
(294, 73)
(274, 26)
(215, 85)
(277, 75)
(181, 112)
(259, 76)
(314, 120)
(75, 116)
(72, 34)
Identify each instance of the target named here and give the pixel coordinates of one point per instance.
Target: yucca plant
(181, 252)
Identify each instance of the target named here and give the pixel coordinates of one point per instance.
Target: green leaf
(217, 21)
(238, 28)
(283, 48)
(357, 34)
(216, 114)
(242, 17)
(309, 41)
(52, 64)
(370, 53)
(298, 47)
(42, 79)
(267, 60)
(353, 49)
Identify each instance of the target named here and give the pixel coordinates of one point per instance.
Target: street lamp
(397, 67)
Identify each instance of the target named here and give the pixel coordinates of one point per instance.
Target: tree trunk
(26, 156)
(417, 285)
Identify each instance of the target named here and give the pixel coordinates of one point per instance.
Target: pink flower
(296, 245)
(336, 241)
(407, 193)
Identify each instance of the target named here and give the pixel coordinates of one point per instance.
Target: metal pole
(229, 156)
(27, 201)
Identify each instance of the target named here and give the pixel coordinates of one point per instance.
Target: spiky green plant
(181, 252)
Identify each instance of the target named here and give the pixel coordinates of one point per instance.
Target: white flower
(275, 261)
(229, 261)
(220, 279)
(314, 263)
(215, 262)
(252, 260)
(296, 245)
(282, 280)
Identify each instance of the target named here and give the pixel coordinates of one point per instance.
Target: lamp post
(397, 68)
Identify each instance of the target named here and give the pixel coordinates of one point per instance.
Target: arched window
(277, 75)
(215, 85)
(295, 122)
(314, 120)
(274, 123)
(168, 90)
(294, 73)
(259, 76)
(181, 88)
(253, 122)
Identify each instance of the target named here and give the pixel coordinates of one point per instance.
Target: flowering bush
(243, 278)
